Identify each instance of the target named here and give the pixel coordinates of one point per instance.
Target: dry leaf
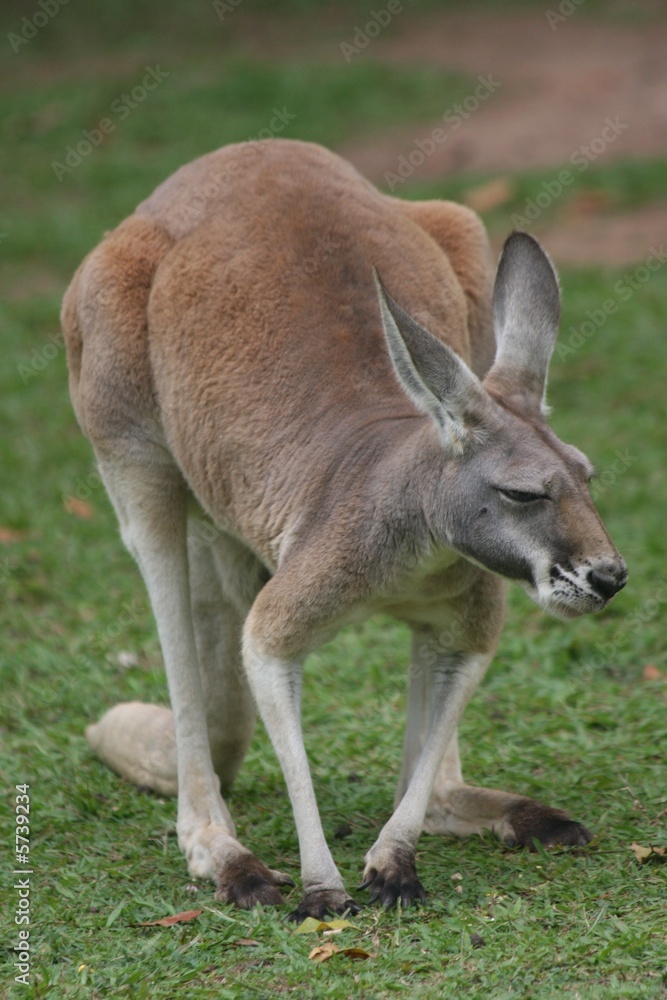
(490, 195)
(311, 925)
(78, 507)
(644, 853)
(651, 673)
(355, 953)
(8, 536)
(325, 951)
(589, 203)
(175, 918)
(126, 659)
(641, 853)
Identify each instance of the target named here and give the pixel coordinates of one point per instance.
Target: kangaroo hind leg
(150, 499)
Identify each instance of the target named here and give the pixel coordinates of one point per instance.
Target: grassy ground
(566, 713)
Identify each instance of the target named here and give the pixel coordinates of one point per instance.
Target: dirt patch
(591, 89)
(555, 86)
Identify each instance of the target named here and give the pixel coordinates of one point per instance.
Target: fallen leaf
(311, 925)
(325, 951)
(589, 203)
(651, 673)
(355, 953)
(8, 536)
(78, 507)
(126, 659)
(644, 853)
(175, 918)
(490, 195)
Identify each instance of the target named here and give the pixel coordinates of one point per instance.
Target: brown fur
(551, 827)
(245, 881)
(215, 348)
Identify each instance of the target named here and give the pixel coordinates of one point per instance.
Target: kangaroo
(289, 450)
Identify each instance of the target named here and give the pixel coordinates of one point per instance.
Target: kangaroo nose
(608, 580)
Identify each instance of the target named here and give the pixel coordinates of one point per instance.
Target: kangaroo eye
(518, 496)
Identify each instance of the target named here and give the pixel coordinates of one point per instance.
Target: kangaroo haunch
(288, 450)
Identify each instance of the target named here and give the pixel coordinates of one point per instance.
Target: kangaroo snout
(582, 587)
(608, 577)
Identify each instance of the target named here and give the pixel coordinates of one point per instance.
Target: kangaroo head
(513, 497)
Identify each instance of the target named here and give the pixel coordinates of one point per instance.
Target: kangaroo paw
(246, 881)
(393, 881)
(531, 821)
(322, 903)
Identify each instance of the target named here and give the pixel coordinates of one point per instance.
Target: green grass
(619, 186)
(564, 714)
(50, 216)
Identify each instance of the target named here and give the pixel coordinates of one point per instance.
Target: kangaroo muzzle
(584, 588)
(607, 578)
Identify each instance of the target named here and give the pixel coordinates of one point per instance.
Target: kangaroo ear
(526, 313)
(435, 378)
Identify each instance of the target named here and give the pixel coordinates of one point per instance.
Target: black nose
(608, 580)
